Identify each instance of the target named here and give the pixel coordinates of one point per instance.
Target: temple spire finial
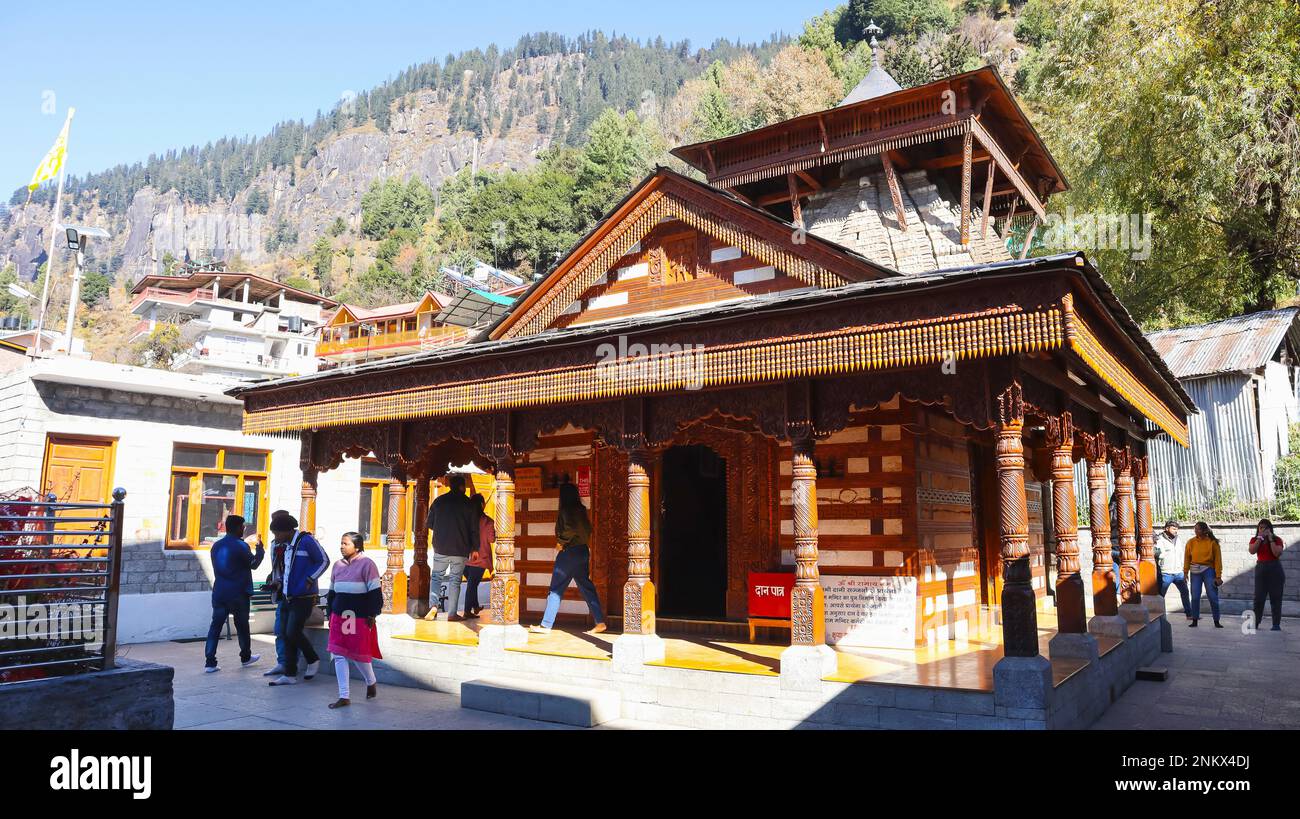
(873, 30)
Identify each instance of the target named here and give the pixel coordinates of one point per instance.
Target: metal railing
(60, 571)
(1218, 498)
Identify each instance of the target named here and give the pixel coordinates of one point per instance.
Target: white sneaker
(312, 668)
(275, 672)
(283, 680)
(251, 660)
(211, 669)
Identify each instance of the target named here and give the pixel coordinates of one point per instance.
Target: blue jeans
(1167, 580)
(571, 564)
(221, 610)
(1205, 579)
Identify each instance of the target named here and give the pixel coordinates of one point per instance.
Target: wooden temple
(821, 360)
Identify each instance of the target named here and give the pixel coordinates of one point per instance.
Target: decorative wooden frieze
(994, 332)
(933, 133)
(1081, 339)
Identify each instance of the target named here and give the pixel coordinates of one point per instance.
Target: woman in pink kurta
(355, 600)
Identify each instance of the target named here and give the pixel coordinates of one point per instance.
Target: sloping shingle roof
(1237, 344)
(877, 83)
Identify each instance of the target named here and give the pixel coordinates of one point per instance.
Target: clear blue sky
(149, 76)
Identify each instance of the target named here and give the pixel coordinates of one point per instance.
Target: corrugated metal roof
(1238, 344)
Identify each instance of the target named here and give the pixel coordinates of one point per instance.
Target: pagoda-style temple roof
(936, 115)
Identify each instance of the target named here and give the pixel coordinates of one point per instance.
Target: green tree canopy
(1186, 111)
(391, 205)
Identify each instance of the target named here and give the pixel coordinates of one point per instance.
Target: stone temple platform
(721, 683)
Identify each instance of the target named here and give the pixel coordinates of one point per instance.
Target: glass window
(180, 509)
(246, 461)
(219, 496)
(190, 456)
(214, 483)
(363, 512)
(375, 471)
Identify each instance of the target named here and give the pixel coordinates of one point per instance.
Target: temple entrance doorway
(692, 576)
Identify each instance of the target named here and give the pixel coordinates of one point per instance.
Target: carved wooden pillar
(1122, 464)
(1071, 614)
(795, 208)
(965, 188)
(1148, 571)
(1019, 607)
(1104, 602)
(505, 582)
(307, 510)
(394, 580)
(638, 591)
(417, 585)
(808, 624)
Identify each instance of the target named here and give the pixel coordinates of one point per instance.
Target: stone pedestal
(633, 651)
(1111, 625)
(1023, 683)
(1134, 613)
(1153, 604)
(803, 667)
(1073, 646)
(493, 640)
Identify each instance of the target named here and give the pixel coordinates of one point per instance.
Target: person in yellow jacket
(1203, 564)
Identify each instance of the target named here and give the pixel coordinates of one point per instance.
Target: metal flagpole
(54, 229)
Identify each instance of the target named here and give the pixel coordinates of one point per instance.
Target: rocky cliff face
(307, 198)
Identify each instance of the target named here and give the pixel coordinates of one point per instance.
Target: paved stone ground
(1218, 678)
(239, 698)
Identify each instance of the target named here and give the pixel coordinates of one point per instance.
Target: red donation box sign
(769, 594)
(584, 481)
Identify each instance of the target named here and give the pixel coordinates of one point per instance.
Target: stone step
(548, 702)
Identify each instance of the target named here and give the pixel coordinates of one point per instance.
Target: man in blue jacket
(304, 562)
(232, 587)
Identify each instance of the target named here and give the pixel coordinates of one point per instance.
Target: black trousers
(473, 575)
(295, 638)
(1269, 579)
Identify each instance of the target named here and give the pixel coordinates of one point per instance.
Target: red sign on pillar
(769, 594)
(584, 481)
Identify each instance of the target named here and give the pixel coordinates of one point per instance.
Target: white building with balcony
(235, 325)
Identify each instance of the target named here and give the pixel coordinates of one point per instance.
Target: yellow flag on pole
(53, 161)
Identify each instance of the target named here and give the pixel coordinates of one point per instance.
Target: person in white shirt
(1169, 557)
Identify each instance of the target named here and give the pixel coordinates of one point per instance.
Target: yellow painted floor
(440, 631)
(961, 664)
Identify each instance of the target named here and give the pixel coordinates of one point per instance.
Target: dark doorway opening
(693, 534)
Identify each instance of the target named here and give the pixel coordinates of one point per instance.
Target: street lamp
(78, 237)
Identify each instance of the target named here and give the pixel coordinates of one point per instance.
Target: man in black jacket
(453, 523)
